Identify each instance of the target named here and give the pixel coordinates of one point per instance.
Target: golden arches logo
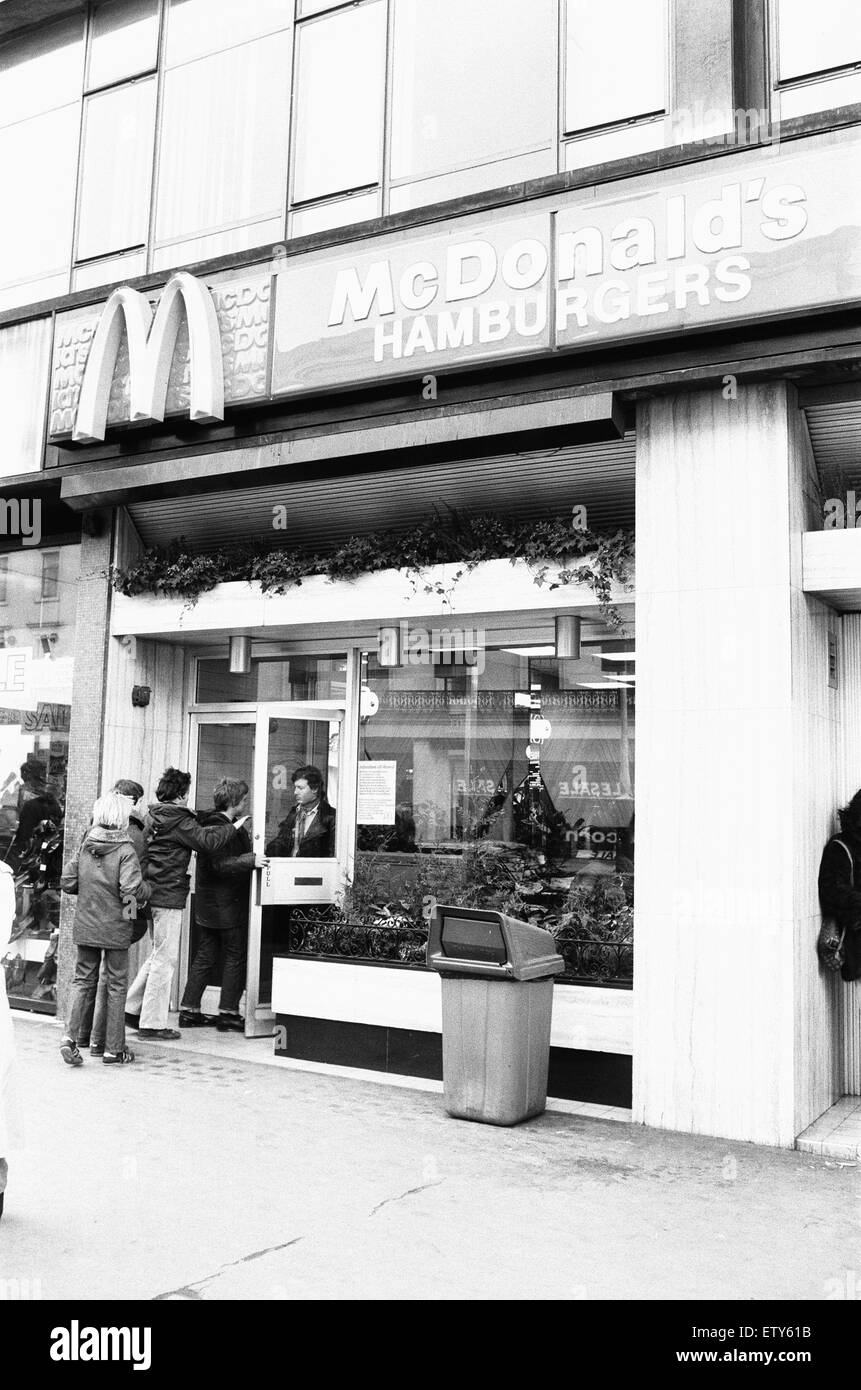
(152, 341)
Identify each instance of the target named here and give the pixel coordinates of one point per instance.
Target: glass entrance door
(222, 745)
(301, 824)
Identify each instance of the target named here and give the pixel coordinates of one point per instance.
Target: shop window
(506, 781)
(35, 708)
(40, 114)
(454, 108)
(341, 62)
(816, 55)
(4, 578)
(273, 678)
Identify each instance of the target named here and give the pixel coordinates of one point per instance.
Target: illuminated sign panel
(734, 239)
(729, 240)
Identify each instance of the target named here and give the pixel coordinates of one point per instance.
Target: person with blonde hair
(106, 877)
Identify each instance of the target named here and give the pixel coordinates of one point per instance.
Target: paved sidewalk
(198, 1176)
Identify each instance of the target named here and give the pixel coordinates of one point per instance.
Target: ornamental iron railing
(321, 932)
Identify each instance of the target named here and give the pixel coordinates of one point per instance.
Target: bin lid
(487, 943)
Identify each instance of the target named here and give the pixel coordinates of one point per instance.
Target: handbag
(830, 945)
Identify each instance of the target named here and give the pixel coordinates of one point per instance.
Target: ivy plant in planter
(556, 554)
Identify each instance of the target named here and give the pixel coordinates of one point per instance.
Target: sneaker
(163, 1034)
(97, 1049)
(70, 1053)
(133, 1020)
(230, 1023)
(189, 1018)
(111, 1059)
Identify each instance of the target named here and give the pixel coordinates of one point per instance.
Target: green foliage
(556, 554)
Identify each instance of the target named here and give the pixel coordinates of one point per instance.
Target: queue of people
(130, 875)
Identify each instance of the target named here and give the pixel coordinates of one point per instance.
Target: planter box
(493, 587)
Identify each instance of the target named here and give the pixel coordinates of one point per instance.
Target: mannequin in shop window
(308, 829)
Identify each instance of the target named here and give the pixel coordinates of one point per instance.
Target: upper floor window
(816, 55)
(50, 574)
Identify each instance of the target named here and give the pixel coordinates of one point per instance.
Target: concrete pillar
(83, 782)
(736, 771)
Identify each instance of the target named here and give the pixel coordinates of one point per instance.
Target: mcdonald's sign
(133, 360)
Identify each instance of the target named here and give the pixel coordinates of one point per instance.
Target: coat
(840, 900)
(222, 880)
(106, 877)
(173, 833)
(7, 1041)
(319, 843)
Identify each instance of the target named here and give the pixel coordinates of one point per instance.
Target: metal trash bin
(497, 1001)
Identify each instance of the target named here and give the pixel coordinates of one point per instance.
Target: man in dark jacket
(840, 885)
(308, 830)
(221, 893)
(173, 834)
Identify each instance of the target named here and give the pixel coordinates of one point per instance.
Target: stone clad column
(83, 781)
(735, 779)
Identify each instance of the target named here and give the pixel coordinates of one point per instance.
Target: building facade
(430, 307)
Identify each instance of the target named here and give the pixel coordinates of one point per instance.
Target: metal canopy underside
(324, 512)
(835, 433)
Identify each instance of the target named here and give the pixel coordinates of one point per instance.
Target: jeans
(149, 996)
(206, 956)
(83, 998)
(96, 1034)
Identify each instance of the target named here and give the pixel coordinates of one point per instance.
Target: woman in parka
(106, 877)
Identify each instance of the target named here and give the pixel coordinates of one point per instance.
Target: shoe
(189, 1019)
(133, 1020)
(230, 1023)
(70, 1054)
(114, 1059)
(97, 1049)
(163, 1034)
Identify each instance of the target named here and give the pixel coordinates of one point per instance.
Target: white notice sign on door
(377, 783)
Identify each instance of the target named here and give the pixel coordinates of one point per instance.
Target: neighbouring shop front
(38, 599)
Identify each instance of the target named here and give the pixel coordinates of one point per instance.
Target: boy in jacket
(132, 793)
(173, 835)
(106, 878)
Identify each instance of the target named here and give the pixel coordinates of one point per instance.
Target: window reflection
(508, 784)
(341, 68)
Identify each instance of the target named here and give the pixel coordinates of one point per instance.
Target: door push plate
(299, 881)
